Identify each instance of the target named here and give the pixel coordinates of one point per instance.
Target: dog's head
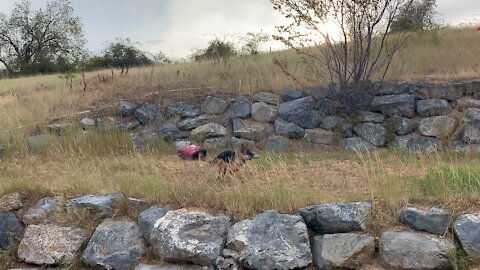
(247, 154)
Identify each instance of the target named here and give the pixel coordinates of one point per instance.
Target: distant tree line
(51, 40)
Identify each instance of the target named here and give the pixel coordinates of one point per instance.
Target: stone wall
(87, 233)
(406, 116)
(401, 115)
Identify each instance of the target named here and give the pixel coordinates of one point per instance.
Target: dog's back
(230, 161)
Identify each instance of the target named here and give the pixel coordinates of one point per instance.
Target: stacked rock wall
(330, 236)
(402, 115)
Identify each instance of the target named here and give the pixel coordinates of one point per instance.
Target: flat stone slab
(115, 244)
(337, 218)
(185, 236)
(467, 230)
(49, 244)
(409, 250)
(11, 230)
(99, 206)
(11, 202)
(342, 250)
(270, 241)
(434, 221)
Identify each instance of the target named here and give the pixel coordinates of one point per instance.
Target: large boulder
(471, 114)
(337, 218)
(372, 117)
(11, 202)
(115, 244)
(372, 133)
(148, 113)
(432, 107)
(434, 221)
(467, 230)
(301, 112)
(46, 210)
(440, 90)
(189, 236)
(288, 129)
(320, 136)
(402, 125)
(342, 250)
(126, 108)
(182, 110)
(96, 206)
(473, 88)
(263, 112)
(277, 144)
(395, 105)
(266, 97)
(467, 103)
(290, 94)
(403, 143)
(147, 219)
(425, 144)
(139, 139)
(87, 123)
(357, 144)
(221, 143)
(393, 88)
(271, 241)
(471, 133)
(334, 123)
(214, 106)
(192, 123)
(170, 132)
(50, 244)
(11, 230)
(409, 250)
(210, 130)
(437, 126)
(240, 108)
(250, 130)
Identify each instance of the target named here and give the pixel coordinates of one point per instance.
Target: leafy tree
(253, 42)
(124, 54)
(216, 50)
(359, 49)
(418, 15)
(31, 37)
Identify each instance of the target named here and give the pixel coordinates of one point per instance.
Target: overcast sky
(176, 27)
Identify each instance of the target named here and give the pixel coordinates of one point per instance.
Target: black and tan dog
(231, 161)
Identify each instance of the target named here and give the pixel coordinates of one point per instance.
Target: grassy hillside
(104, 162)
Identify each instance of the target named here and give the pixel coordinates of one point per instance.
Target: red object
(478, 29)
(194, 152)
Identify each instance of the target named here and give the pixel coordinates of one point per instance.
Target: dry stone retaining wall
(401, 115)
(330, 236)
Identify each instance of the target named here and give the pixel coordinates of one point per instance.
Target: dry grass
(448, 54)
(101, 162)
(284, 182)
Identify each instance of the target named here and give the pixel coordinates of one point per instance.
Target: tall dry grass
(103, 162)
(446, 54)
(284, 182)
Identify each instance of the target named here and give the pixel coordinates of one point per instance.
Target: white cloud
(195, 22)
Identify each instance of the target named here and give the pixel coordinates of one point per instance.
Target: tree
(357, 50)
(216, 50)
(124, 54)
(26, 35)
(419, 15)
(253, 42)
